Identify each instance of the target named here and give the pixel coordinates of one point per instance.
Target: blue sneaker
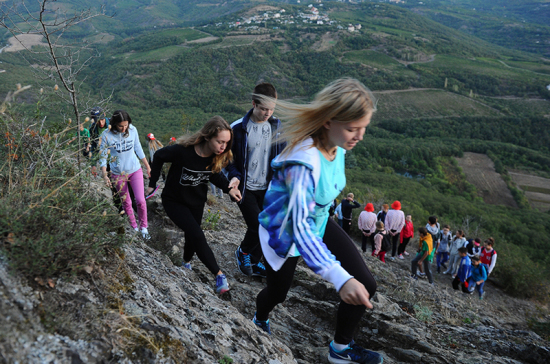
(187, 266)
(264, 325)
(221, 284)
(243, 262)
(353, 354)
(258, 270)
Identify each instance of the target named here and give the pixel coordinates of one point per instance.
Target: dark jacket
(94, 132)
(381, 216)
(347, 206)
(240, 146)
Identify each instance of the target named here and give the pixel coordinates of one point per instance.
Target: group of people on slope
(474, 264)
(385, 231)
(469, 264)
(284, 180)
(392, 230)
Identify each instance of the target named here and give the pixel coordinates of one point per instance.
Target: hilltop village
(275, 18)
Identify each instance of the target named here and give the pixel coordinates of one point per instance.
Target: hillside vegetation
(515, 24)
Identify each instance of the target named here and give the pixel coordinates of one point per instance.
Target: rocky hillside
(139, 307)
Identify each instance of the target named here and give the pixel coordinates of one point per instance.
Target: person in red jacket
(406, 234)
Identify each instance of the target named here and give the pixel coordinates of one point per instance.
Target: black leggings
(346, 225)
(189, 220)
(403, 246)
(345, 251)
(394, 243)
(251, 206)
(365, 240)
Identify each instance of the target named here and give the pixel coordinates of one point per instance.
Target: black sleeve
(356, 205)
(231, 168)
(163, 155)
(218, 179)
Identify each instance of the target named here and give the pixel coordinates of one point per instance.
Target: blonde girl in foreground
(308, 176)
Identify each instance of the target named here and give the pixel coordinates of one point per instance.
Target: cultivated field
(240, 40)
(24, 41)
(484, 66)
(480, 171)
(377, 60)
(537, 189)
(428, 103)
(520, 105)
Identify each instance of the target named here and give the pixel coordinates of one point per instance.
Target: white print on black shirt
(194, 178)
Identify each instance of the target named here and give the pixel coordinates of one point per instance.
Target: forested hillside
(515, 24)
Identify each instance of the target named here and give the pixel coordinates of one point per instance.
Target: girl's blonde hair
(155, 145)
(342, 101)
(210, 130)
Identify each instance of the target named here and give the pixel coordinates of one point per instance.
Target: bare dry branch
(67, 57)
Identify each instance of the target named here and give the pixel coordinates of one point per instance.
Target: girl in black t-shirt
(196, 160)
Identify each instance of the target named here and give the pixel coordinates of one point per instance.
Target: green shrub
(225, 360)
(519, 275)
(211, 220)
(51, 221)
(542, 328)
(423, 313)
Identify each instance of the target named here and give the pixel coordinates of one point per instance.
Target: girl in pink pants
(120, 147)
(135, 180)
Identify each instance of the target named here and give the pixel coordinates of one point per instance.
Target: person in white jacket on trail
(120, 147)
(457, 242)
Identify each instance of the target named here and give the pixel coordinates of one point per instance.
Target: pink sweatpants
(136, 181)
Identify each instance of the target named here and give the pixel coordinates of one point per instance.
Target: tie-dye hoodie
(295, 213)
